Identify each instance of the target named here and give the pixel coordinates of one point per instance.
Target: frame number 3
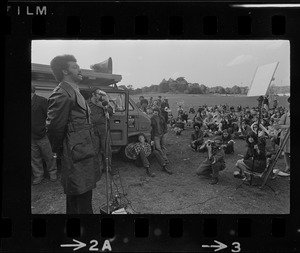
(237, 247)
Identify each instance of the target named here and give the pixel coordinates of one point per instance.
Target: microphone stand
(106, 159)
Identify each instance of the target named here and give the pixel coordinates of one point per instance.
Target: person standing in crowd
(101, 111)
(273, 134)
(159, 101)
(275, 102)
(144, 105)
(71, 135)
(165, 113)
(164, 108)
(139, 104)
(158, 131)
(164, 104)
(214, 163)
(284, 124)
(150, 102)
(197, 137)
(255, 158)
(179, 111)
(40, 145)
(266, 103)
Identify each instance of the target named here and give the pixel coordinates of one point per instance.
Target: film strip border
(22, 231)
(148, 20)
(153, 233)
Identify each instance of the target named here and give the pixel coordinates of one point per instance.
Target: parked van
(127, 121)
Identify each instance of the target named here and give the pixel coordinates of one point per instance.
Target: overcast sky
(146, 62)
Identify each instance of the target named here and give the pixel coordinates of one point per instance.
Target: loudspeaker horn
(103, 67)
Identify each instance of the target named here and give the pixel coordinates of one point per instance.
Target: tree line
(180, 85)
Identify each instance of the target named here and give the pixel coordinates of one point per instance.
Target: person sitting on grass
(199, 117)
(171, 121)
(262, 131)
(218, 123)
(273, 135)
(197, 137)
(226, 123)
(255, 158)
(227, 142)
(276, 116)
(143, 154)
(179, 126)
(214, 162)
(192, 110)
(208, 123)
(234, 122)
(243, 131)
(185, 117)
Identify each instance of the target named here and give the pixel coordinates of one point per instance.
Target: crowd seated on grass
(237, 121)
(226, 123)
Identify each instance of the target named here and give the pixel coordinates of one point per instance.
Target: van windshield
(118, 100)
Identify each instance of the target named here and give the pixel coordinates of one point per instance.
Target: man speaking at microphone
(71, 136)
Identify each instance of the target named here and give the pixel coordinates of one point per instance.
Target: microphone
(105, 104)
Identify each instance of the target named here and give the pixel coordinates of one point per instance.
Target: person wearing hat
(158, 130)
(284, 124)
(40, 145)
(214, 162)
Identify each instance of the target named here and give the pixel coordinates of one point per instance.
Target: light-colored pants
(41, 151)
(159, 142)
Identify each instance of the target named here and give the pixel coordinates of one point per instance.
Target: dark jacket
(259, 164)
(198, 136)
(39, 108)
(159, 126)
(98, 117)
(69, 129)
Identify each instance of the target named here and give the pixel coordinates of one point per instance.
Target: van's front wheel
(127, 153)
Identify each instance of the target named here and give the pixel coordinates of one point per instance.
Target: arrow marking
(218, 247)
(78, 246)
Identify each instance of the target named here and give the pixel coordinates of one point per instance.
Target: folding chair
(253, 174)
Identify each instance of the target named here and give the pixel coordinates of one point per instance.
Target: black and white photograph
(160, 127)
